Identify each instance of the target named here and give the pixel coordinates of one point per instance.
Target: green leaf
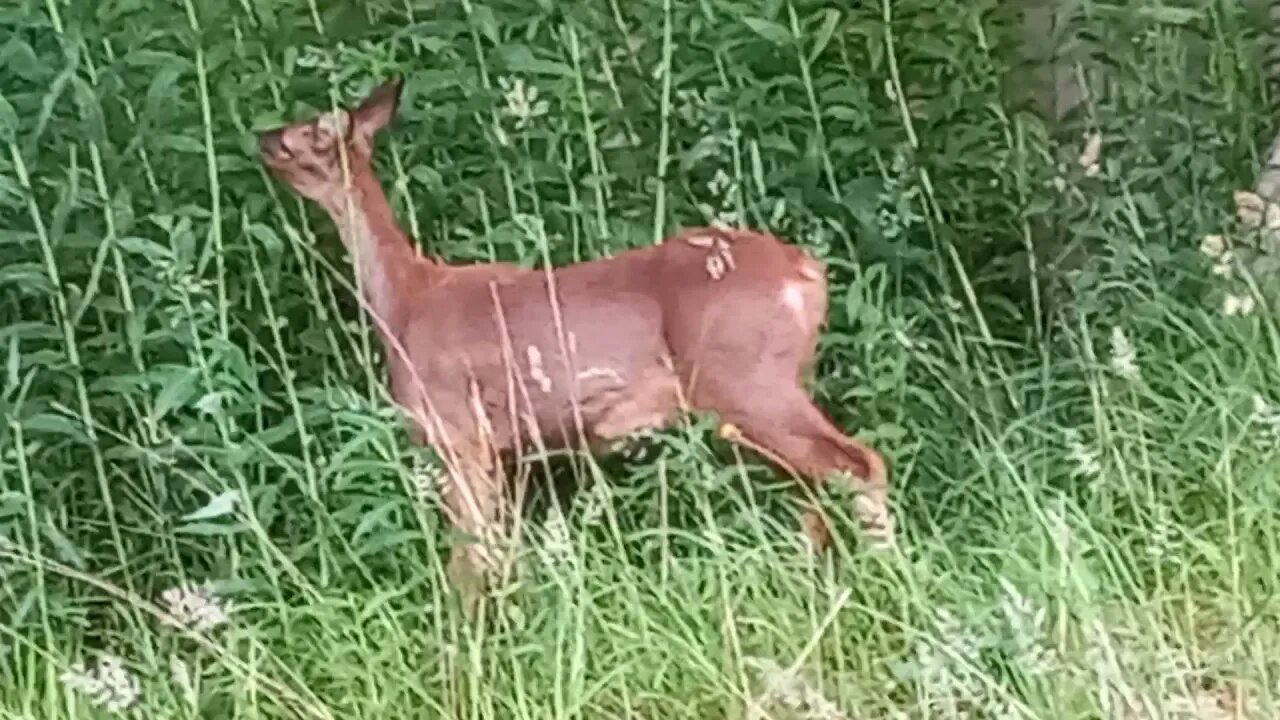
(179, 143)
(8, 121)
(373, 518)
(12, 503)
(64, 549)
(264, 234)
(520, 59)
(29, 276)
(428, 176)
(150, 249)
(90, 109)
(889, 432)
(210, 404)
(385, 541)
(179, 391)
(830, 18)
(19, 60)
(483, 16)
(1169, 15)
(769, 30)
(221, 504)
(13, 365)
(203, 528)
(55, 424)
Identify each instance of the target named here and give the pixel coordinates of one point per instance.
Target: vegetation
(201, 475)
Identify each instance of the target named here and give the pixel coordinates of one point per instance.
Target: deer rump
(595, 351)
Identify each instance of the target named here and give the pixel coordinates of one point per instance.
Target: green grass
(191, 396)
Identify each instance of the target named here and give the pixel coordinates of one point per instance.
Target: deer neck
(386, 263)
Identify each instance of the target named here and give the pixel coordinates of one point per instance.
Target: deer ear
(377, 110)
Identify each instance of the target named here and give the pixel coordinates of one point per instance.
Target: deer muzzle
(271, 144)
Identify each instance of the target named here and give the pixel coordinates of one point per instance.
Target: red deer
(489, 359)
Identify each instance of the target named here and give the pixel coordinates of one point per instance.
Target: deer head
(309, 155)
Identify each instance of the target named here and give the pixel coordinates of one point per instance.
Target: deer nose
(271, 143)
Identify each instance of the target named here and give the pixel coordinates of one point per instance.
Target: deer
(487, 360)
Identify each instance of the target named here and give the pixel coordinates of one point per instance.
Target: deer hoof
(878, 527)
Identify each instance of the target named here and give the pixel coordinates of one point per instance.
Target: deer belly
(605, 393)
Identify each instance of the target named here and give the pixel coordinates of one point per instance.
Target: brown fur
(492, 360)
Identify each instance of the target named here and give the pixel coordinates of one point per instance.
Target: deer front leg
(473, 492)
(473, 502)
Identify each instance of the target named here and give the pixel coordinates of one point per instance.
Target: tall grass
(201, 474)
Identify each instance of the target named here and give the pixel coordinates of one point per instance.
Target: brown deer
(488, 360)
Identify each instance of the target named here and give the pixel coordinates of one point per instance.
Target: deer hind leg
(789, 430)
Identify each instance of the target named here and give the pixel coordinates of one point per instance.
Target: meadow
(209, 508)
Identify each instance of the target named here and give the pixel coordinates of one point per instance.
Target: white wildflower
(599, 498)
(1233, 305)
(906, 341)
(1084, 461)
(316, 57)
(620, 139)
(1059, 527)
(514, 615)
(1256, 213)
(720, 184)
(425, 480)
(522, 100)
(1162, 536)
(1264, 411)
(1114, 691)
(726, 220)
(1202, 705)
(944, 666)
(1002, 708)
(195, 607)
(693, 108)
(501, 135)
(1027, 624)
(1261, 408)
(1223, 268)
(778, 212)
(1214, 246)
(786, 688)
(557, 546)
(108, 684)
(1092, 154)
(1123, 358)
(962, 641)
(1266, 415)
(180, 674)
(723, 189)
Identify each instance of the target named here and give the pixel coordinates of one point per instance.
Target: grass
(191, 397)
